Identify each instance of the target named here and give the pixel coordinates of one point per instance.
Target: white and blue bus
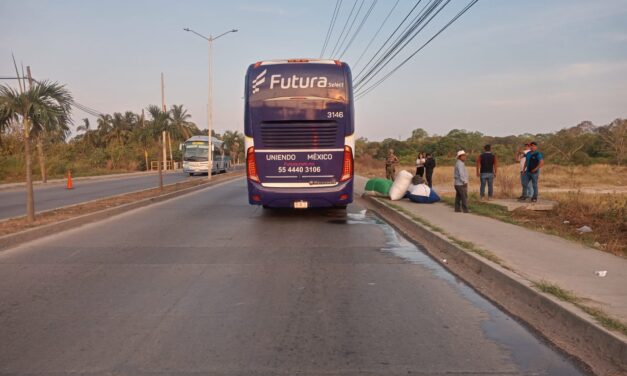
(195, 156)
(299, 128)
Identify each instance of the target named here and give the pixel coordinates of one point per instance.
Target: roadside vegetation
(35, 124)
(116, 143)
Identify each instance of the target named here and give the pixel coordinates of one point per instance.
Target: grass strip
(599, 315)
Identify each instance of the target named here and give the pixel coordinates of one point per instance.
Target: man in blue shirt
(533, 163)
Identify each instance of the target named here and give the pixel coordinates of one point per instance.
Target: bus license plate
(301, 204)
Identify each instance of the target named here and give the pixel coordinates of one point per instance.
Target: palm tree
(181, 126)
(55, 129)
(88, 135)
(104, 127)
(160, 122)
(233, 141)
(43, 102)
(120, 128)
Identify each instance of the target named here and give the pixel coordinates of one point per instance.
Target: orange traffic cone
(69, 180)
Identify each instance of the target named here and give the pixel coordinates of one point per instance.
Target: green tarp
(378, 187)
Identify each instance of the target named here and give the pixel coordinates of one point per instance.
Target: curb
(571, 330)
(18, 238)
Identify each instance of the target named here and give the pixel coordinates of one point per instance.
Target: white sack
(419, 190)
(401, 183)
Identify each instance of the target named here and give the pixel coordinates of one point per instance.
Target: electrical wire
(336, 11)
(82, 107)
(380, 81)
(361, 24)
(388, 38)
(401, 44)
(350, 14)
(350, 28)
(375, 35)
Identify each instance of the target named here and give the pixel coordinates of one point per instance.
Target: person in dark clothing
(429, 166)
(486, 171)
(534, 161)
(420, 165)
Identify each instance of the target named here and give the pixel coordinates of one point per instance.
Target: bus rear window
(297, 81)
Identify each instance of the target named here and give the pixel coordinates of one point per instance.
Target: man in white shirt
(461, 183)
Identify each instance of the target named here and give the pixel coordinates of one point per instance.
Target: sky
(505, 67)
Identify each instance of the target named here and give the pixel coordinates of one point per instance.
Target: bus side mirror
(181, 147)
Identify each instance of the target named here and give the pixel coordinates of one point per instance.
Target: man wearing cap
(461, 183)
(534, 160)
(390, 165)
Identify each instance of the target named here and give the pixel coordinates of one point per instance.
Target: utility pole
(39, 141)
(210, 40)
(164, 151)
(145, 148)
(210, 111)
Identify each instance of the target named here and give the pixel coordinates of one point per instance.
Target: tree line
(584, 143)
(39, 114)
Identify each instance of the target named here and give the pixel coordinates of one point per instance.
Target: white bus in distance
(195, 156)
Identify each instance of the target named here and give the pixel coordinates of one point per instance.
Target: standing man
(527, 190)
(461, 183)
(429, 166)
(533, 163)
(390, 165)
(486, 171)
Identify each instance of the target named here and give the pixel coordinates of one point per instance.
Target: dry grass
(606, 214)
(593, 178)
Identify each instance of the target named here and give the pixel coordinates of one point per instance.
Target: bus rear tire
(191, 174)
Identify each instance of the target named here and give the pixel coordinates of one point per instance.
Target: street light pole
(210, 40)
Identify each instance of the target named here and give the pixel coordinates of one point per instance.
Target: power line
(350, 28)
(389, 38)
(345, 25)
(336, 11)
(373, 86)
(75, 104)
(361, 24)
(375, 34)
(400, 39)
(412, 33)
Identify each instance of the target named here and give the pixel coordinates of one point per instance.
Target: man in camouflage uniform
(390, 163)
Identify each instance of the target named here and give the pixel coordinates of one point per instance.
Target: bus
(195, 155)
(299, 133)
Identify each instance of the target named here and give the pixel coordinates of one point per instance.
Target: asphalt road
(55, 195)
(207, 285)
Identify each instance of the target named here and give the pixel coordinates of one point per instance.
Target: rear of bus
(299, 130)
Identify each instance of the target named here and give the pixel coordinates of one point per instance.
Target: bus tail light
(251, 165)
(347, 167)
